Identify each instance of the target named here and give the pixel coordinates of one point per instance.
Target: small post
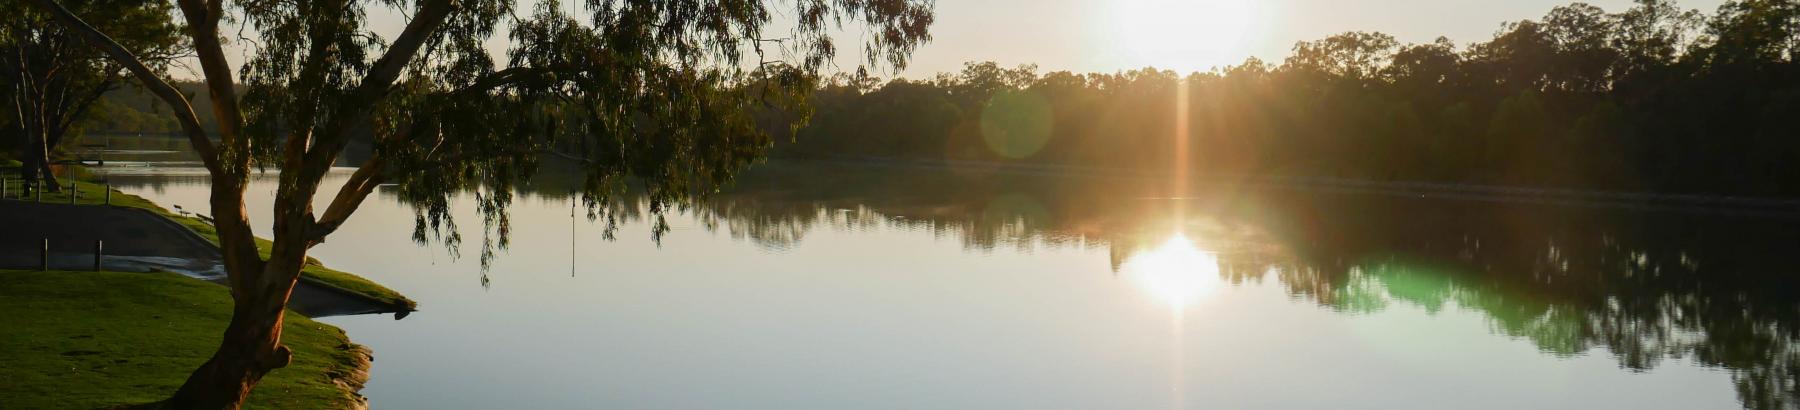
(97, 252)
(109, 193)
(39, 188)
(74, 191)
(44, 256)
(3, 181)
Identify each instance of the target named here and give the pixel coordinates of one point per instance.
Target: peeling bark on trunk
(252, 342)
(251, 346)
(250, 349)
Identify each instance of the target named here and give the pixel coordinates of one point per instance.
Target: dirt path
(137, 240)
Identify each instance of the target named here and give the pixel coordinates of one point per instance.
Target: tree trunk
(51, 138)
(49, 179)
(36, 156)
(28, 167)
(35, 169)
(250, 349)
(251, 346)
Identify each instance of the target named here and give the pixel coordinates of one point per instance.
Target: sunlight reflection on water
(1177, 272)
(1042, 296)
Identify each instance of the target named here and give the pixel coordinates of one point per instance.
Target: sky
(1107, 36)
(1181, 35)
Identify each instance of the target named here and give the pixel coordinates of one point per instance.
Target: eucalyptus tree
(52, 78)
(1354, 55)
(660, 93)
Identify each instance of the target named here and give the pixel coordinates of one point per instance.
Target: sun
(1177, 272)
(1184, 35)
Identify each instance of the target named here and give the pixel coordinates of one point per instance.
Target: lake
(836, 286)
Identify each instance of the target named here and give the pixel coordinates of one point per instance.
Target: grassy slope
(94, 194)
(93, 339)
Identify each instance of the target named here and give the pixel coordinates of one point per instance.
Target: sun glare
(1184, 35)
(1177, 272)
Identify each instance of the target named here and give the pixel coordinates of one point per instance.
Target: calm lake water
(819, 286)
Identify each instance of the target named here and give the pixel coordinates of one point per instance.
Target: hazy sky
(1096, 35)
(1183, 35)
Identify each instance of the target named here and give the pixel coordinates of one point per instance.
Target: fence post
(97, 252)
(109, 193)
(44, 256)
(74, 191)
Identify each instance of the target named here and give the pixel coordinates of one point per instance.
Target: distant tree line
(1653, 98)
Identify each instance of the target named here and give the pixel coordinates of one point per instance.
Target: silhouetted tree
(53, 78)
(663, 93)
(1652, 98)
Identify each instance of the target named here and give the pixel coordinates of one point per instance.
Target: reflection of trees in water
(776, 206)
(157, 183)
(1645, 287)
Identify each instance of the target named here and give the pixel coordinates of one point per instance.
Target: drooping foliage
(663, 93)
(659, 93)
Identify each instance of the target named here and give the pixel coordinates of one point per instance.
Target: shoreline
(137, 233)
(72, 229)
(124, 339)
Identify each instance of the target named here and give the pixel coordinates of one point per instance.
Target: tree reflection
(1644, 286)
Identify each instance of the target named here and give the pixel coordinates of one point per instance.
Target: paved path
(136, 240)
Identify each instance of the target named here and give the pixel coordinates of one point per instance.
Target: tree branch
(379, 80)
(311, 81)
(348, 198)
(357, 110)
(203, 24)
(184, 111)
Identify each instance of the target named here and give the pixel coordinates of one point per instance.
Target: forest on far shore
(1653, 98)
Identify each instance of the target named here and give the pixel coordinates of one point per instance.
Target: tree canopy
(661, 93)
(1650, 98)
(50, 79)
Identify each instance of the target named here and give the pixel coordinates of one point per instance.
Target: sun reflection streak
(1177, 273)
(1179, 181)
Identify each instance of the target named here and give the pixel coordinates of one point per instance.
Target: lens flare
(1016, 125)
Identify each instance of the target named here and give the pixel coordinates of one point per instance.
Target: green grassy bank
(83, 340)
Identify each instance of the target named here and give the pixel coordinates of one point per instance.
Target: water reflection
(1176, 272)
(1644, 289)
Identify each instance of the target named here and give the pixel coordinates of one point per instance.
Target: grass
(94, 194)
(85, 340)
